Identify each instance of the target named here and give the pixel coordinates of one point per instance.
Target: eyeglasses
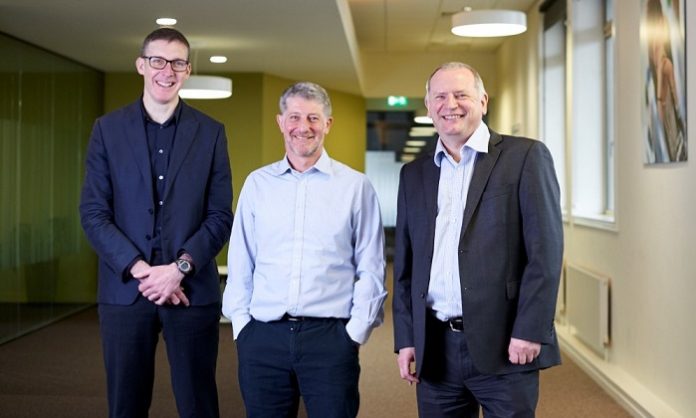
(158, 63)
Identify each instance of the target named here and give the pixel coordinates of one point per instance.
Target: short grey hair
(308, 91)
(455, 65)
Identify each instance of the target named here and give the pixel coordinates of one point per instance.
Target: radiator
(587, 301)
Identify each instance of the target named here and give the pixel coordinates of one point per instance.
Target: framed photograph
(663, 63)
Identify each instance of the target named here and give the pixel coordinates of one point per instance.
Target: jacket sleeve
(542, 231)
(97, 210)
(207, 241)
(403, 257)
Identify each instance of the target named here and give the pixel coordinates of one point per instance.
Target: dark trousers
(450, 386)
(282, 360)
(129, 338)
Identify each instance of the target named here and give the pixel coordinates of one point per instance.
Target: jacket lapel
(431, 181)
(183, 140)
(482, 171)
(134, 133)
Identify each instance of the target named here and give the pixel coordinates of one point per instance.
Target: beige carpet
(58, 372)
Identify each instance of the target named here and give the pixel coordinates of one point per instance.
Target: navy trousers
(281, 361)
(451, 387)
(129, 339)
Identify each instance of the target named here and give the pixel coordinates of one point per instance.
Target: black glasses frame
(177, 65)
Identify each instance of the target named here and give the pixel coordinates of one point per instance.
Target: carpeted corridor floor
(57, 372)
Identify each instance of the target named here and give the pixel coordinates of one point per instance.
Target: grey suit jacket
(510, 254)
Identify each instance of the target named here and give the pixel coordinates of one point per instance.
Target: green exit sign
(397, 101)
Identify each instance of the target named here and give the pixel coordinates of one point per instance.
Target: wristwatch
(184, 266)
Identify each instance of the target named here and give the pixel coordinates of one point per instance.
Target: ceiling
(368, 47)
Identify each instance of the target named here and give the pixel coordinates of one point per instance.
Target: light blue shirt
(444, 289)
(307, 244)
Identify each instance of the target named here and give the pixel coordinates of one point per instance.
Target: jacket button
(150, 211)
(147, 237)
(422, 295)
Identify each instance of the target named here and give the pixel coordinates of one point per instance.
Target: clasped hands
(160, 284)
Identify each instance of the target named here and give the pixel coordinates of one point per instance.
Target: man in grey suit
(479, 245)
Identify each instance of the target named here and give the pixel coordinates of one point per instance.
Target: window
(578, 128)
(553, 90)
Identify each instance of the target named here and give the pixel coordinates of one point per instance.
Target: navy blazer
(117, 203)
(510, 254)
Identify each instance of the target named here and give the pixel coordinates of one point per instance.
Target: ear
(329, 123)
(140, 65)
(484, 103)
(427, 107)
(279, 120)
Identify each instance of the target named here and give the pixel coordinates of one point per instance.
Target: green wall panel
(47, 106)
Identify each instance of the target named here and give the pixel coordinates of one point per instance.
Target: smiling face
(304, 125)
(162, 86)
(455, 105)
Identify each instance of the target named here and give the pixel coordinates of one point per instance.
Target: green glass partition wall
(47, 107)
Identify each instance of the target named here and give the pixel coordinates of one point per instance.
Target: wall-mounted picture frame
(663, 64)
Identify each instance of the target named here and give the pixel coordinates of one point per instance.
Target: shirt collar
(478, 142)
(323, 165)
(172, 119)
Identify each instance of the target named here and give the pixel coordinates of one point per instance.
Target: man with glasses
(156, 207)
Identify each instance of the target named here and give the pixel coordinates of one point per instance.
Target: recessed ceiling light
(418, 131)
(422, 117)
(489, 23)
(166, 21)
(218, 59)
(415, 143)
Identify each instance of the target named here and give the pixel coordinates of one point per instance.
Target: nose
(168, 68)
(303, 125)
(450, 101)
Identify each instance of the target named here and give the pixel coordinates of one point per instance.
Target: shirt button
(161, 151)
(161, 177)
(161, 203)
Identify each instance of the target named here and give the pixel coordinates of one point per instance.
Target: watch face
(184, 266)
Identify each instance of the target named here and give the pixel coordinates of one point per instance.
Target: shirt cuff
(358, 330)
(239, 322)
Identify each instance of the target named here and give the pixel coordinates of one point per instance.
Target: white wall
(515, 107)
(651, 257)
